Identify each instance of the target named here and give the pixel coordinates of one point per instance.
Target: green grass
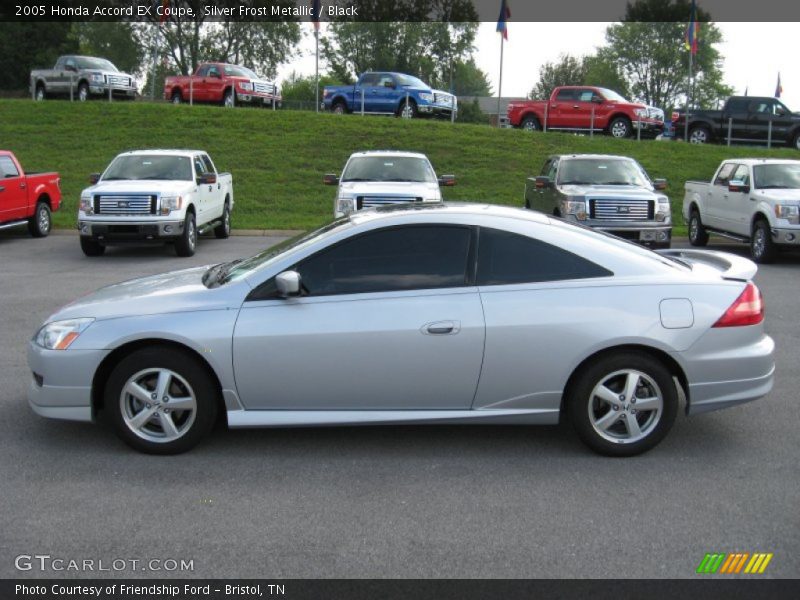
(278, 157)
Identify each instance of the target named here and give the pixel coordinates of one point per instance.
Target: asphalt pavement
(384, 502)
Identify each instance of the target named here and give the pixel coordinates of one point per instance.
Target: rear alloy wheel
(223, 230)
(40, 223)
(698, 236)
(796, 141)
(186, 244)
(623, 404)
(408, 110)
(620, 128)
(161, 401)
(762, 248)
(699, 135)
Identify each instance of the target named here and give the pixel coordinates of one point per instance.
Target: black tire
(186, 244)
(530, 123)
(229, 99)
(339, 108)
(620, 128)
(83, 92)
(762, 249)
(699, 135)
(186, 378)
(40, 93)
(407, 112)
(698, 236)
(795, 143)
(223, 230)
(41, 222)
(92, 247)
(176, 98)
(590, 413)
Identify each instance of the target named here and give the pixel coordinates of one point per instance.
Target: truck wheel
(796, 141)
(39, 224)
(698, 236)
(620, 127)
(699, 135)
(762, 248)
(408, 110)
(223, 230)
(229, 99)
(83, 92)
(186, 244)
(91, 247)
(339, 108)
(530, 123)
(176, 98)
(40, 93)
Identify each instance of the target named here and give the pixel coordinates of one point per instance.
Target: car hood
(144, 186)
(389, 188)
(778, 195)
(608, 191)
(176, 291)
(111, 73)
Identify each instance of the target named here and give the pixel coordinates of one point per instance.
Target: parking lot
(443, 501)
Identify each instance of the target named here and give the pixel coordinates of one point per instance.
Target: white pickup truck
(155, 196)
(751, 200)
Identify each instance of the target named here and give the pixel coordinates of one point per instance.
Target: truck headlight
(574, 207)
(246, 85)
(662, 208)
(59, 335)
(789, 212)
(170, 203)
(425, 96)
(97, 77)
(641, 113)
(86, 205)
(345, 206)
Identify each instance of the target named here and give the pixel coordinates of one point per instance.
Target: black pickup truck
(750, 116)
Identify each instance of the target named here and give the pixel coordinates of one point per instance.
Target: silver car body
(370, 357)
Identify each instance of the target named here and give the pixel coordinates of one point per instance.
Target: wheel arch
(658, 354)
(43, 197)
(759, 215)
(530, 113)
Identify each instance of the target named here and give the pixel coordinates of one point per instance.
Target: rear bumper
(120, 232)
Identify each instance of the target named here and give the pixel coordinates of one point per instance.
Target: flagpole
(500, 82)
(316, 57)
(688, 99)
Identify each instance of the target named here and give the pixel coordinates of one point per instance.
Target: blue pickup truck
(389, 94)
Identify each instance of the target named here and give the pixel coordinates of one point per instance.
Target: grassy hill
(278, 157)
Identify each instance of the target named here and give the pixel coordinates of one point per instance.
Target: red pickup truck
(222, 83)
(570, 109)
(27, 199)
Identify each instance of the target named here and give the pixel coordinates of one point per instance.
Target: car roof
(388, 153)
(763, 161)
(164, 151)
(592, 156)
(427, 210)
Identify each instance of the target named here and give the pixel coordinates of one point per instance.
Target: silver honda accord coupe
(432, 314)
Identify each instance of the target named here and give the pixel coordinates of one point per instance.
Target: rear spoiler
(732, 266)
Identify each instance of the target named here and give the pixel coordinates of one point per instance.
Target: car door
(387, 321)
(560, 108)
(546, 199)
(736, 208)
(367, 85)
(765, 112)
(13, 191)
(385, 94)
(205, 191)
(216, 199)
(214, 84)
(716, 197)
(578, 113)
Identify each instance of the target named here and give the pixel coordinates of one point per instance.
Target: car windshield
(388, 168)
(242, 268)
(95, 63)
(777, 176)
(602, 171)
(612, 95)
(411, 81)
(150, 166)
(237, 71)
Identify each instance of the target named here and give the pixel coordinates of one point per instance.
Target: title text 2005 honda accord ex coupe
(432, 314)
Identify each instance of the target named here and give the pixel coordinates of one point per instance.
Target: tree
(568, 70)
(298, 90)
(27, 46)
(469, 80)
(119, 42)
(648, 45)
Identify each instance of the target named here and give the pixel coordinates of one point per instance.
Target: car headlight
(641, 113)
(170, 203)
(345, 206)
(425, 96)
(59, 335)
(86, 205)
(574, 207)
(662, 208)
(789, 212)
(246, 85)
(97, 77)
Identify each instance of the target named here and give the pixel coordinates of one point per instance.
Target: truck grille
(263, 87)
(372, 201)
(118, 81)
(617, 209)
(125, 204)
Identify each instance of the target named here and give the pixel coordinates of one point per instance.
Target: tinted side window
(7, 167)
(546, 167)
(398, 258)
(207, 164)
(742, 174)
(506, 258)
(737, 104)
(585, 95)
(565, 95)
(370, 79)
(725, 174)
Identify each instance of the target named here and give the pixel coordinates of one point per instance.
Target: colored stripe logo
(734, 563)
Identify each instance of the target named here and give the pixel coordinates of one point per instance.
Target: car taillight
(747, 309)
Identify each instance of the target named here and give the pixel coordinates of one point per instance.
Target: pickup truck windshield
(411, 81)
(237, 71)
(388, 168)
(95, 63)
(149, 166)
(596, 171)
(780, 176)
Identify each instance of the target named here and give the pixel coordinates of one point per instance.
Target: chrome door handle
(441, 328)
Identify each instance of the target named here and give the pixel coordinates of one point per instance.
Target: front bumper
(645, 233)
(101, 89)
(437, 110)
(786, 236)
(61, 382)
(130, 231)
(254, 99)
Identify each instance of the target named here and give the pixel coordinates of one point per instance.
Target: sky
(754, 54)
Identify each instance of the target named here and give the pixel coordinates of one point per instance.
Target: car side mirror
(330, 179)
(660, 184)
(288, 284)
(597, 99)
(94, 178)
(543, 182)
(447, 180)
(738, 186)
(71, 68)
(207, 178)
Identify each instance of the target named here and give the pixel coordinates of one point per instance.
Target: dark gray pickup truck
(82, 77)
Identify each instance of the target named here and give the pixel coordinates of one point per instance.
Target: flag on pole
(779, 87)
(692, 31)
(502, 20)
(315, 8)
(164, 6)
